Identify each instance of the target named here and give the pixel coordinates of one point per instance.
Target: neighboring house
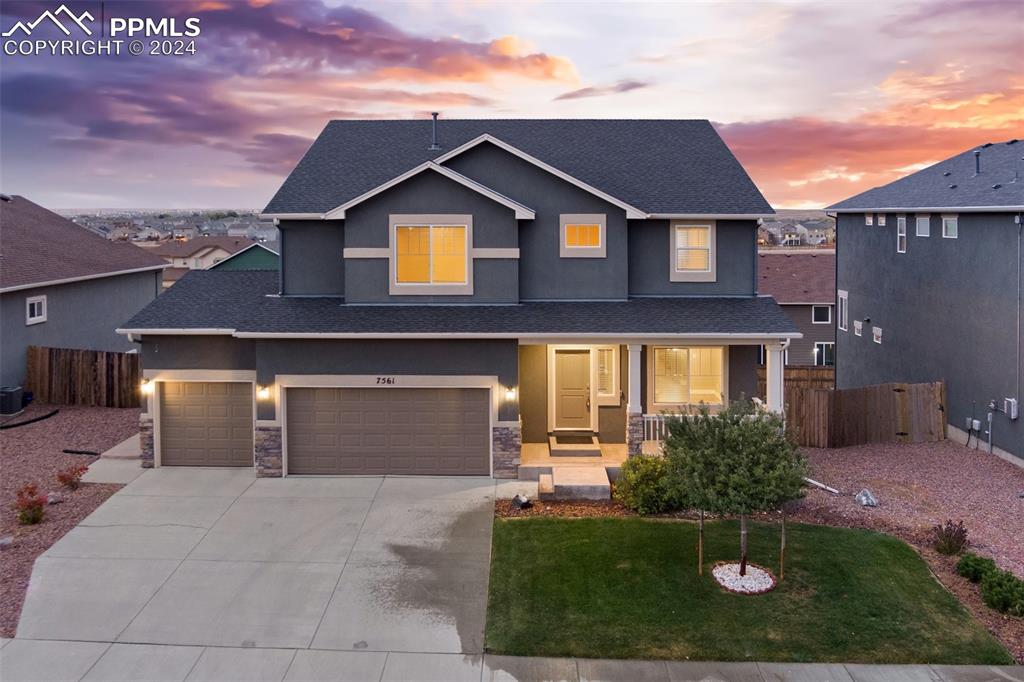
(929, 287)
(252, 257)
(195, 254)
(794, 235)
(541, 281)
(803, 282)
(64, 286)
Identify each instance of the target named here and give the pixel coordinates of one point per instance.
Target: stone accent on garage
(268, 451)
(634, 434)
(507, 446)
(146, 440)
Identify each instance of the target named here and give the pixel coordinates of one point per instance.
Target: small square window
(35, 310)
(923, 226)
(582, 235)
(858, 328)
(950, 229)
(881, 220)
(821, 314)
(876, 334)
(869, 219)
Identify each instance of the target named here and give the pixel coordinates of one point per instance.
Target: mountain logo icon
(63, 10)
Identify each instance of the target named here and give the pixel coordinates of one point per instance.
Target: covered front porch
(587, 403)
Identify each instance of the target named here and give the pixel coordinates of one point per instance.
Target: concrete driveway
(218, 558)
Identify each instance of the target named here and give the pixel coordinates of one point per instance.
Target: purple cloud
(602, 90)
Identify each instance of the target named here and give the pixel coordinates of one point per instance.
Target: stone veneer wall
(508, 444)
(146, 440)
(634, 434)
(268, 451)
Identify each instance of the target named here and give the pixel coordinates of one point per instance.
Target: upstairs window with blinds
(688, 376)
(692, 252)
(430, 254)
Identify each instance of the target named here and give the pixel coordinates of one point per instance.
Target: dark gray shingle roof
(953, 183)
(658, 166)
(238, 300)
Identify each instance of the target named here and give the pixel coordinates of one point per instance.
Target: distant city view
(154, 225)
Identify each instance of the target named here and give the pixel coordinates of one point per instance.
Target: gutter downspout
(1020, 350)
(835, 301)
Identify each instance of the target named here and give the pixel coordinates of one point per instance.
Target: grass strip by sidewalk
(628, 588)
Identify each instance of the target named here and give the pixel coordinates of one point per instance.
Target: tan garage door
(206, 424)
(443, 431)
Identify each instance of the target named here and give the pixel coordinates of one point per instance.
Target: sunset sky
(819, 100)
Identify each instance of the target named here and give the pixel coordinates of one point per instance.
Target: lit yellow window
(693, 248)
(588, 236)
(688, 376)
(430, 254)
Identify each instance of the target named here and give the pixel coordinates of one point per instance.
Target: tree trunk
(743, 544)
(700, 545)
(782, 549)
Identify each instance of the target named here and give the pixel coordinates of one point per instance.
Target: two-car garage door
(438, 431)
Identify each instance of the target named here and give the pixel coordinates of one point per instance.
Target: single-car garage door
(433, 431)
(206, 424)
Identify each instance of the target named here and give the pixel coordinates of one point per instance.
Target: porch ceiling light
(263, 392)
(146, 387)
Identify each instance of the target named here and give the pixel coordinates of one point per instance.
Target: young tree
(736, 462)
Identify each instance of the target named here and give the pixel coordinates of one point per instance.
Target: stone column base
(634, 434)
(268, 452)
(146, 451)
(507, 445)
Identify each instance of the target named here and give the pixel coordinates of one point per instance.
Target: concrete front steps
(575, 483)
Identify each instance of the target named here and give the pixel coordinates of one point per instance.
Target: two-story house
(447, 293)
(929, 279)
(803, 282)
(195, 254)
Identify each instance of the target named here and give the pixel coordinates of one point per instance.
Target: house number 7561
(385, 380)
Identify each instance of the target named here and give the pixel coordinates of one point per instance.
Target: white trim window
(881, 220)
(923, 225)
(843, 309)
(824, 353)
(606, 369)
(950, 227)
(431, 254)
(901, 235)
(583, 235)
(35, 310)
(876, 334)
(858, 328)
(821, 314)
(687, 376)
(869, 218)
(692, 253)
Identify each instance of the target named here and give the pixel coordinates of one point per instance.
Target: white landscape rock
(757, 580)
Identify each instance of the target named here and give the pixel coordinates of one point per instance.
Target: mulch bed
(32, 454)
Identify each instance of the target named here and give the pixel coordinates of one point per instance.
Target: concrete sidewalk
(26, 659)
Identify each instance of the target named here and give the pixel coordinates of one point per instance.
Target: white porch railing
(655, 427)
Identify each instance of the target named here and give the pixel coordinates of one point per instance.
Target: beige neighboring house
(195, 254)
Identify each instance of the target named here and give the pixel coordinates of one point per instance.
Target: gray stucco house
(451, 300)
(929, 288)
(803, 282)
(63, 286)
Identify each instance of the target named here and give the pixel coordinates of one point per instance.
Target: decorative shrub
(71, 477)
(949, 538)
(1004, 592)
(30, 504)
(643, 485)
(974, 567)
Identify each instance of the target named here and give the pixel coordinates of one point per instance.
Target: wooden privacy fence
(67, 376)
(800, 376)
(886, 413)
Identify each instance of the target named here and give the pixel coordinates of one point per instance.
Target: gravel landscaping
(924, 484)
(32, 453)
(756, 581)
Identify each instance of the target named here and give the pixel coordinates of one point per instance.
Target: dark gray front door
(431, 431)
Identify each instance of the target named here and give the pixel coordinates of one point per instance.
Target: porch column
(634, 403)
(775, 366)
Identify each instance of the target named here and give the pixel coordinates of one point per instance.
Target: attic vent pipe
(977, 162)
(434, 146)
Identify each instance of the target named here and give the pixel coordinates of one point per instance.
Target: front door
(572, 389)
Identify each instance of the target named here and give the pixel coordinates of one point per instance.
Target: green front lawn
(628, 588)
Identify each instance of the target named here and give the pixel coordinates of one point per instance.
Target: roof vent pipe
(977, 162)
(433, 132)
